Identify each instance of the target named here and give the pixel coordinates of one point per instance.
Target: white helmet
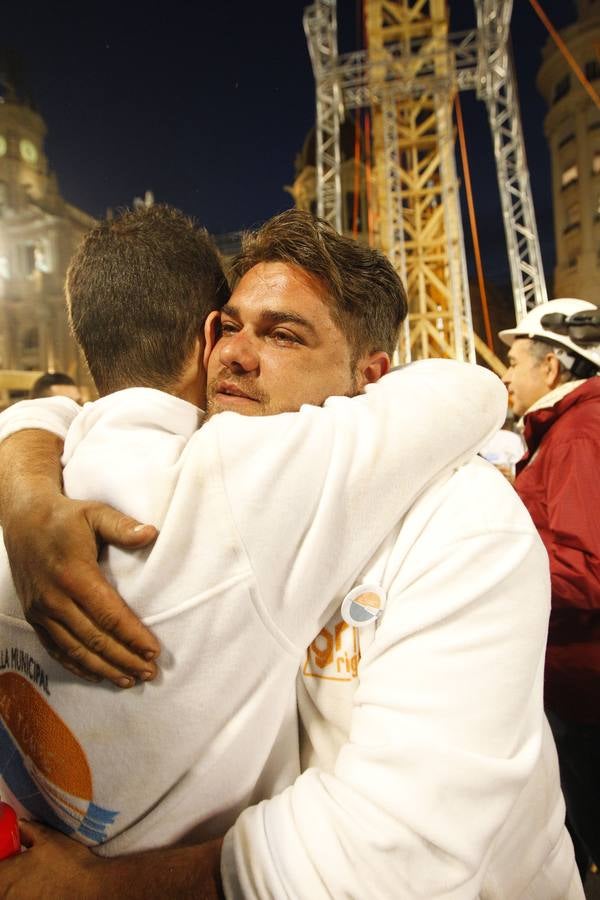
(531, 327)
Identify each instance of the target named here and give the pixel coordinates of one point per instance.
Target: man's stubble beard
(264, 406)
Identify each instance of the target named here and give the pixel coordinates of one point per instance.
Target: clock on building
(3, 145)
(28, 151)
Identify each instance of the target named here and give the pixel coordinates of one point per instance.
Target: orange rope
(370, 228)
(489, 338)
(565, 52)
(355, 206)
(357, 136)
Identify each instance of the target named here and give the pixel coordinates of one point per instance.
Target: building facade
(39, 232)
(572, 127)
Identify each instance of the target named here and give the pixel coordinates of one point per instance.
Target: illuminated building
(572, 126)
(39, 231)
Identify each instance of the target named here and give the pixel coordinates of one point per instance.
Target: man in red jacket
(554, 359)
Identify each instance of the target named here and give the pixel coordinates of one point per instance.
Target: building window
(4, 267)
(562, 88)
(41, 256)
(573, 216)
(35, 257)
(569, 175)
(28, 257)
(592, 69)
(31, 339)
(566, 140)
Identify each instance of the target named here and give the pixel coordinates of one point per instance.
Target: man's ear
(211, 334)
(372, 367)
(551, 371)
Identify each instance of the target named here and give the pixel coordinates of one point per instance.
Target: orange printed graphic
(44, 737)
(43, 765)
(334, 654)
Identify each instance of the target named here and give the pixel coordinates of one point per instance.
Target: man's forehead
(520, 347)
(277, 287)
(286, 275)
(284, 278)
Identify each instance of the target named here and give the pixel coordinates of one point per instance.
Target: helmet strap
(576, 365)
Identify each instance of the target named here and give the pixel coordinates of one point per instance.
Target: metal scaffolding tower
(498, 87)
(320, 26)
(408, 78)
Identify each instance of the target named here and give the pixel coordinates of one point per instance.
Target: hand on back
(52, 545)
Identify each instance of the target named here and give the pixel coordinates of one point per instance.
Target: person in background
(505, 449)
(55, 384)
(554, 360)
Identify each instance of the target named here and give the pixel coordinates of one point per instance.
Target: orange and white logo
(44, 766)
(363, 605)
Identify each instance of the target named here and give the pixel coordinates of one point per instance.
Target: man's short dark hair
(42, 386)
(366, 296)
(138, 290)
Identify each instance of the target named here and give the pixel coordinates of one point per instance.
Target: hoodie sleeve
(53, 414)
(314, 493)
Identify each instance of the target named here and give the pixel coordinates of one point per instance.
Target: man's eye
(229, 328)
(283, 336)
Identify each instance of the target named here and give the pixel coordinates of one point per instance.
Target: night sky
(208, 104)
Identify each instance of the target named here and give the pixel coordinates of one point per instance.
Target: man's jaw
(511, 401)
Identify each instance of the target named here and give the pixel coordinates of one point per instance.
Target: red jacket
(558, 479)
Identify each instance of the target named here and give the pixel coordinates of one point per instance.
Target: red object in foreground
(10, 839)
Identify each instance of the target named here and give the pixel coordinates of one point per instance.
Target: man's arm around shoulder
(52, 548)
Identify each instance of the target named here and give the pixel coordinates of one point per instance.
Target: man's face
(525, 377)
(279, 346)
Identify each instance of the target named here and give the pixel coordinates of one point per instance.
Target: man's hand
(56, 866)
(52, 547)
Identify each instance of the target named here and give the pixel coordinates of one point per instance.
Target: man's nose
(239, 353)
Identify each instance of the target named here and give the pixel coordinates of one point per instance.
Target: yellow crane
(407, 78)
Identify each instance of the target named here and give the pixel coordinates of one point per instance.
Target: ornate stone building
(39, 231)
(572, 126)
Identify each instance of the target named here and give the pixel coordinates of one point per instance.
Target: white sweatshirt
(430, 770)
(263, 522)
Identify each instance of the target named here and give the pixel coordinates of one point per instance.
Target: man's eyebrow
(273, 317)
(230, 310)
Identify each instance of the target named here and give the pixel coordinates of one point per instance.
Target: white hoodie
(430, 770)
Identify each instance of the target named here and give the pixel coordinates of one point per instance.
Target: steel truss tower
(408, 78)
